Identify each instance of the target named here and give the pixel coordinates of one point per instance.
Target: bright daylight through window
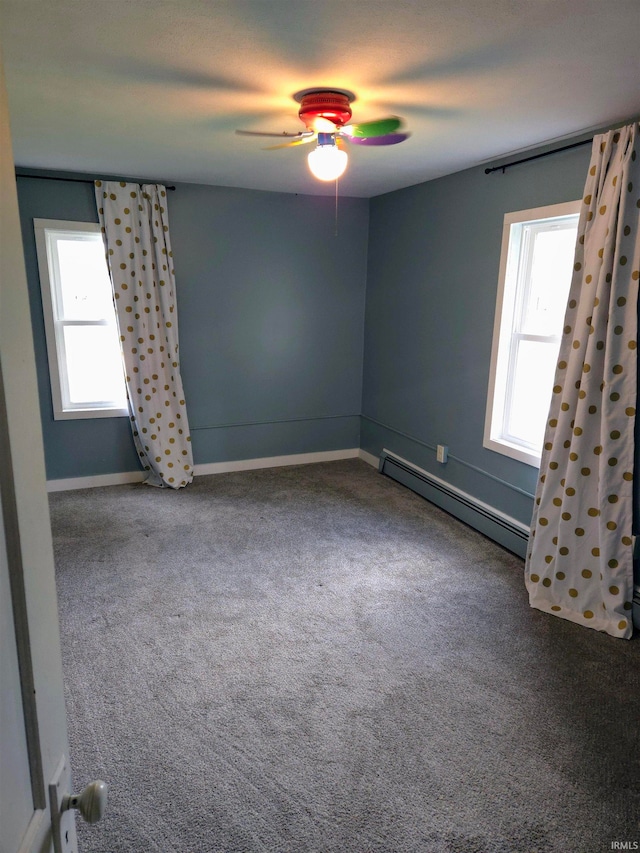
(85, 363)
(535, 274)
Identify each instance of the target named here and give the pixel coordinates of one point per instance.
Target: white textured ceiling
(155, 88)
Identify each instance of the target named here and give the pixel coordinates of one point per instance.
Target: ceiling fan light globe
(327, 162)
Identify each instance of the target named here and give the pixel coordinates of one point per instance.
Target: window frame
(63, 408)
(509, 301)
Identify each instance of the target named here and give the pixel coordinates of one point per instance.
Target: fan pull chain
(335, 233)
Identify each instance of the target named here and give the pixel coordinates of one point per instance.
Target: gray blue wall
(434, 252)
(271, 321)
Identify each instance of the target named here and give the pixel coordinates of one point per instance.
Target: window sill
(514, 451)
(85, 414)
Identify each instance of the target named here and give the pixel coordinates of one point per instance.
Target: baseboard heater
(498, 526)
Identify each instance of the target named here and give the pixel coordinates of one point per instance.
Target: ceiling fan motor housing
(333, 106)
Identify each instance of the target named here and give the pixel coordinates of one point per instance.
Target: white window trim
(502, 330)
(55, 343)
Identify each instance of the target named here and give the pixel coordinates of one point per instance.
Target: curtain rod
(70, 180)
(537, 156)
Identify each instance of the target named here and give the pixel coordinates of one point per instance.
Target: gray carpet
(313, 659)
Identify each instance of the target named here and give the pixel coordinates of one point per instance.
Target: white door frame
(28, 554)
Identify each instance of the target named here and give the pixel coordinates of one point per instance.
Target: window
(85, 362)
(536, 265)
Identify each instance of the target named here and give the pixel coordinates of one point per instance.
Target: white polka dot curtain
(580, 562)
(135, 229)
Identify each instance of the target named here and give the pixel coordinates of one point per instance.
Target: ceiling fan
(326, 114)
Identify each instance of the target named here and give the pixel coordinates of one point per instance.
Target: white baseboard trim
(212, 468)
(275, 461)
(70, 483)
(369, 458)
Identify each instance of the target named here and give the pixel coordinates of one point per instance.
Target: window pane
(548, 291)
(531, 387)
(94, 365)
(84, 279)
(536, 265)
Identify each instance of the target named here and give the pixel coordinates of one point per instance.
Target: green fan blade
(366, 129)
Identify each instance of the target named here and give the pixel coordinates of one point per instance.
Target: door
(33, 738)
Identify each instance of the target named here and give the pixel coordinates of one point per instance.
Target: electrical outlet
(441, 453)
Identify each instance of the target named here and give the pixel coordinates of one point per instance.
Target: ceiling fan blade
(389, 139)
(301, 141)
(367, 129)
(284, 133)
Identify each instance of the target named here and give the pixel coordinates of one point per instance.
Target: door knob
(90, 802)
